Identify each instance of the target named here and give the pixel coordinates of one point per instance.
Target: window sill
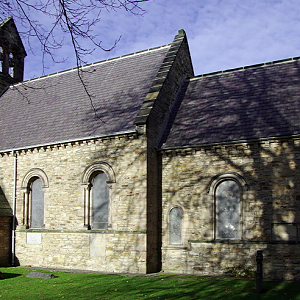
(242, 242)
(174, 247)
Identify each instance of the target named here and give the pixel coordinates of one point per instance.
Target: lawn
(15, 285)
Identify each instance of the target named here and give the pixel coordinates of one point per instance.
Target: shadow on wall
(5, 230)
(270, 167)
(128, 202)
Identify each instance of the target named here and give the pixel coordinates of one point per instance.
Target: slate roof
(248, 103)
(56, 108)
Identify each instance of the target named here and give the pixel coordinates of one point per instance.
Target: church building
(136, 165)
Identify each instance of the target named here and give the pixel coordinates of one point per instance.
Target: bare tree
(46, 20)
(77, 19)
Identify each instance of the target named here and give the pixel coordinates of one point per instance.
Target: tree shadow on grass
(8, 275)
(177, 287)
(280, 290)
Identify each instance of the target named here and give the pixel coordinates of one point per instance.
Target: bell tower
(12, 54)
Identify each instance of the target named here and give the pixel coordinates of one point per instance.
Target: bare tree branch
(78, 19)
(44, 20)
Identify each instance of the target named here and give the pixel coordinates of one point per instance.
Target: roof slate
(56, 108)
(243, 104)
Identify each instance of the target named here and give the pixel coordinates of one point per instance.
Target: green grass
(15, 285)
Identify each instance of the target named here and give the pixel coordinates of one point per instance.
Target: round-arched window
(37, 203)
(100, 201)
(227, 197)
(175, 225)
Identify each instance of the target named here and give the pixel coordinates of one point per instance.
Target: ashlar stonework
(64, 239)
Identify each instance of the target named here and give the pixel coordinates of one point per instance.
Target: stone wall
(65, 242)
(5, 231)
(154, 113)
(5, 81)
(269, 175)
(5, 241)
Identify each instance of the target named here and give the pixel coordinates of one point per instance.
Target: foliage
(240, 272)
(15, 285)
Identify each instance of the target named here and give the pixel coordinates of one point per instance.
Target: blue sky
(222, 34)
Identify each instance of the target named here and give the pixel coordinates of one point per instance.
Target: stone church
(147, 167)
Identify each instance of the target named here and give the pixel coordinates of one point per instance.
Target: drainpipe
(13, 244)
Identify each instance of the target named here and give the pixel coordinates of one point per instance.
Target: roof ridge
(160, 83)
(247, 67)
(93, 64)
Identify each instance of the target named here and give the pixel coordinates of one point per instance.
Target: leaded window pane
(175, 225)
(37, 204)
(227, 210)
(100, 202)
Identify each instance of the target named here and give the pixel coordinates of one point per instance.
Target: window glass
(37, 204)
(227, 210)
(100, 201)
(175, 225)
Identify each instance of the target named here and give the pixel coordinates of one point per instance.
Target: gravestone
(34, 274)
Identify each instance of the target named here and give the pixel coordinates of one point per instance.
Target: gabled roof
(56, 108)
(254, 102)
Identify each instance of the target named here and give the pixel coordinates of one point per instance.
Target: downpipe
(13, 238)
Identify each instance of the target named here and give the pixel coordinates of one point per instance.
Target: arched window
(34, 184)
(100, 201)
(227, 209)
(37, 204)
(175, 226)
(97, 179)
(227, 191)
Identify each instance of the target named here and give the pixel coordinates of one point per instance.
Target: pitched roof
(56, 108)
(248, 103)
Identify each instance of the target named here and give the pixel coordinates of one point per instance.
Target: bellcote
(12, 53)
